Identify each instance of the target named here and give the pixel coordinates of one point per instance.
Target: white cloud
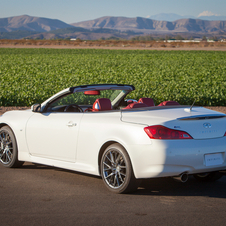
(207, 13)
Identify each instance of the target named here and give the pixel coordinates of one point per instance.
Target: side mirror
(36, 108)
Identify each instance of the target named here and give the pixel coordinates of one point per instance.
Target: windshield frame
(125, 90)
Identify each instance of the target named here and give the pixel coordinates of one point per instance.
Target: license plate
(213, 159)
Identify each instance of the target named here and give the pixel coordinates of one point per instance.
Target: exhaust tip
(182, 177)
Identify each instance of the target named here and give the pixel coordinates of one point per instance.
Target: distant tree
(159, 39)
(113, 38)
(167, 37)
(204, 38)
(214, 38)
(143, 38)
(179, 37)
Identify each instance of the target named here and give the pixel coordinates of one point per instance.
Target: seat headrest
(167, 103)
(136, 105)
(102, 104)
(146, 100)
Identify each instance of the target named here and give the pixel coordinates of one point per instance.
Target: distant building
(194, 40)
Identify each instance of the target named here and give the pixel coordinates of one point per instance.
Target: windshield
(81, 99)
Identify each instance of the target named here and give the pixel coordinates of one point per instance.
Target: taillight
(225, 134)
(162, 132)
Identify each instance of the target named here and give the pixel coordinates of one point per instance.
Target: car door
(53, 135)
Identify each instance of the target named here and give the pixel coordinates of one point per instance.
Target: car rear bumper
(163, 158)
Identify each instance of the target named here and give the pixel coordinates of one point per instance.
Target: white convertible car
(94, 129)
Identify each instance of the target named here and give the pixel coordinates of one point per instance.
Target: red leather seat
(147, 101)
(136, 105)
(167, 103)
(102, 104)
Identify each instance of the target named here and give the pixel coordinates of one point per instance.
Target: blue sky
(71, 11)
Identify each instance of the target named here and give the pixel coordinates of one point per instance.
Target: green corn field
(29, 76)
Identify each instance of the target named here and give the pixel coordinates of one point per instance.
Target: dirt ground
(167, 48)
(113, 44)
(4, 109)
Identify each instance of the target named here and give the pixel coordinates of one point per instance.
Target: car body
(94, 129)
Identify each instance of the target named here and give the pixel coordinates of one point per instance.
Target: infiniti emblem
(207, 125)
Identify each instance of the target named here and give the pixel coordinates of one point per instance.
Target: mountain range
(104, 27)
(148, 25)
(28, 23)
(172, 17)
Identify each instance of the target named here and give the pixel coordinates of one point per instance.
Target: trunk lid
(200, 123)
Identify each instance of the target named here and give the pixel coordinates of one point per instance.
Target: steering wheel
(73, 107)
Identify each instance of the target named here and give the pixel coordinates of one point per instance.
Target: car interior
(89, 103)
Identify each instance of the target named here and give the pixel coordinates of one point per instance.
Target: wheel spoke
(107, 166)
(109, 159)
(117, 179)
(122, 174)
(120, 177)
(9, 152)
(2, 157)
(112, 158)
(9, 159)
(123, 167)
(114, 183)
(9, 143)
(109, 175)
(118, 158)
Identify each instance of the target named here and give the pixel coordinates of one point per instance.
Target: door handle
(71, 124)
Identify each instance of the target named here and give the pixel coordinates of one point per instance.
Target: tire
(8, 148)
(212, 176)
(116, 170)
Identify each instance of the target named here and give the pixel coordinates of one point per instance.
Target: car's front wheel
(8, 148)
(116, 170)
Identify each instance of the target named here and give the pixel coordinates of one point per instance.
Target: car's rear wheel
(212, 176)
(8, 148)
(116, 170)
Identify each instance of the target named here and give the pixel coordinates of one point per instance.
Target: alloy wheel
(6, 148)
(114, 169)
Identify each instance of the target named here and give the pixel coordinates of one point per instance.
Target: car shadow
(31, 165)
(193, 187)
(158, 186)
